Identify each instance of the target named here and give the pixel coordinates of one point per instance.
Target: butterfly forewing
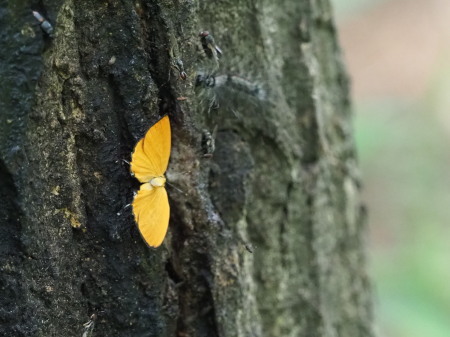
(151, 154)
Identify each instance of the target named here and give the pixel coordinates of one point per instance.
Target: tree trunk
(266, 229)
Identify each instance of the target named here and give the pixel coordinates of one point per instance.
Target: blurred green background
(398, 55)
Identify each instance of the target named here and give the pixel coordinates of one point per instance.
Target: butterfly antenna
(176, 188)
(123, 208)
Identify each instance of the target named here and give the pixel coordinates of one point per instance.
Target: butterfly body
(154, 183)
(158, 181)
(149, 162)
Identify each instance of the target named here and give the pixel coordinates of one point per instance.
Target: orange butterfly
(148, 164)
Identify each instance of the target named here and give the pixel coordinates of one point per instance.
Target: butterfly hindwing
(151, 211)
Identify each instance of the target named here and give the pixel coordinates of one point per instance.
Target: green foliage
(405, 159)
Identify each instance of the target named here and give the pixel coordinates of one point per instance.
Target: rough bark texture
(265, 236)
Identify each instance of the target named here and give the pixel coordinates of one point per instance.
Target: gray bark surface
(266, 236)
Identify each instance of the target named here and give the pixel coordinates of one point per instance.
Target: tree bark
(266, 236)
